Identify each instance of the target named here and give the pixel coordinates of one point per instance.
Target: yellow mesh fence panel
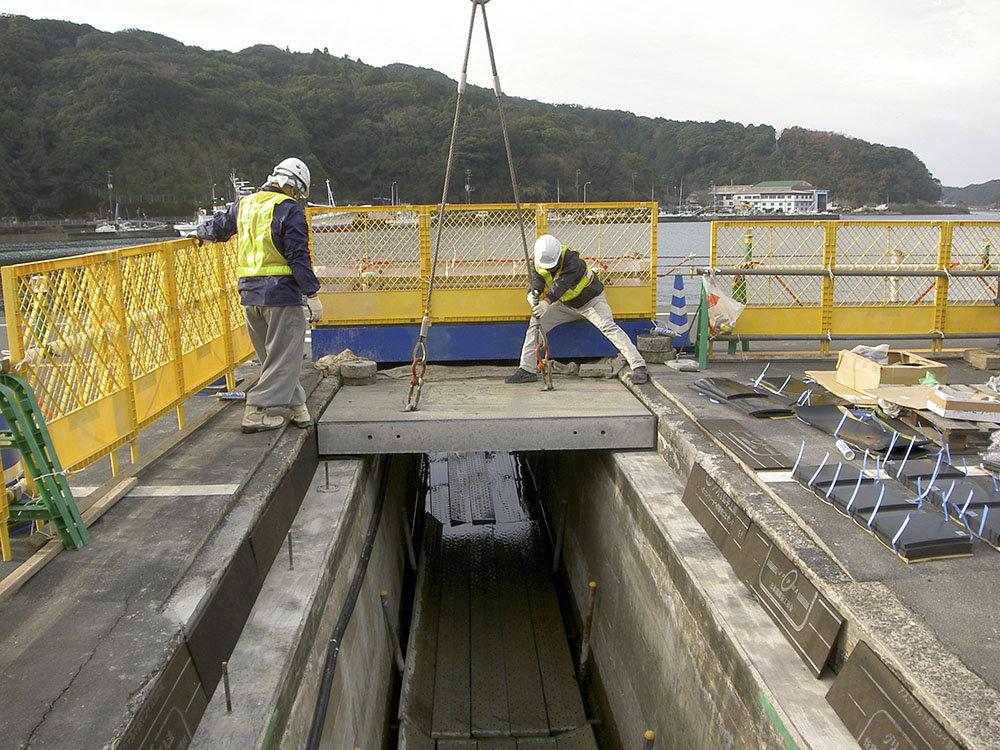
(374, 263)
(974, 245)
(370, 249)
(793, 245)
(908, 304)
(481, 247)
(111, 341)
(886, 246)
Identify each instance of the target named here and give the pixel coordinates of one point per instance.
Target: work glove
(539, 310)
(315, 308)
(532, 299)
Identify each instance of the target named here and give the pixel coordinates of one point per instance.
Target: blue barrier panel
(466, 341)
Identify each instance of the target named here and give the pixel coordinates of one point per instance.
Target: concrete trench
(679, 645)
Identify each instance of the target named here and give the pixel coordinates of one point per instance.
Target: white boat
(332, 221)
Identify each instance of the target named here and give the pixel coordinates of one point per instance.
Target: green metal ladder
(26, 431)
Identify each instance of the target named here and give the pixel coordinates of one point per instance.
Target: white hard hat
(547, 251)
(294, 172)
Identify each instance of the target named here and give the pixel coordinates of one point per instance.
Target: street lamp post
(585, 190)
(393, 194)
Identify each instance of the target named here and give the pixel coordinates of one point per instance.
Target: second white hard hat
(294, 172)
(547, 251)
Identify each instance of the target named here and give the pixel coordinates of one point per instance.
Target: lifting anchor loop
(542, 353)
(419, 361)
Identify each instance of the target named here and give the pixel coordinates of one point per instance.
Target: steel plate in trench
(485, 415)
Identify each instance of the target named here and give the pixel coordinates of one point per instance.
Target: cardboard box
(904, 368)
(963, 402)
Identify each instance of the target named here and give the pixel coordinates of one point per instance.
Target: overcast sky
(920, 74)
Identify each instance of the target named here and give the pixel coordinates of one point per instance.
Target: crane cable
(420, 348)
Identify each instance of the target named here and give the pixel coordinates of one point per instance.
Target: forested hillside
(985, 194)
(170, 121)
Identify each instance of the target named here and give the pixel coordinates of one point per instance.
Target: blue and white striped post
(678, 314)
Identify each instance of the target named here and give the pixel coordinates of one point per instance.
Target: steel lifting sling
(419, 366)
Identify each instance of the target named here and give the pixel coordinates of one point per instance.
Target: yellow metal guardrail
(843, 278)
(111, 341)
(374, 263)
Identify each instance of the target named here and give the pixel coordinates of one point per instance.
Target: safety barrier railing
(850, 279)
(374, 263)
(112, 341)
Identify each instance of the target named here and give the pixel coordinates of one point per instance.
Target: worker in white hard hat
(275, 273)
(563, 288)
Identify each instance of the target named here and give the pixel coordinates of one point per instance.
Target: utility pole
(110, 188)
(557, 190)
(577, 186)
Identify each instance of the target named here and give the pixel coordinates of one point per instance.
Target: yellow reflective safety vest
(257, 254)
(572, 292)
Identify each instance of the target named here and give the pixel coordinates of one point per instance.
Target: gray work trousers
(279, 338)
(598, 312)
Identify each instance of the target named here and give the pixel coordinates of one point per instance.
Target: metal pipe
(393, 635)
(648, 739)
(225, 684)
(411, 554)
(333, 649)
(832, 272)
(937, 335)
(587, 624)
(560, 532)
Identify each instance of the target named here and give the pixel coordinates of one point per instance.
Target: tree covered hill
(986, 194)
(170, 121)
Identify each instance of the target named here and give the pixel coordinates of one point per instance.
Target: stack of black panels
(890, 511)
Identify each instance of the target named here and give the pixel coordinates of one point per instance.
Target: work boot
(300, 416)
(256, 419)
(640, 375)
(521, 376)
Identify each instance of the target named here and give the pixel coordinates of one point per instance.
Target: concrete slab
(485, 415)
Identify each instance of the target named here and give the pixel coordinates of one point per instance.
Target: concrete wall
(679, 645)
(277, 665)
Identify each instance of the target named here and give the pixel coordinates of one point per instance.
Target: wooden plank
(578, 739)
(451, 685)
(416, 702)
(459, 507)
(504, 488)
(562, 696)
(526, 699)
(489, 710)
(413, 739)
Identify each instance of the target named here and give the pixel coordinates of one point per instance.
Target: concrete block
(596, 370)
(485, 414)
(650, 343)
(984, 359)
(358, 372)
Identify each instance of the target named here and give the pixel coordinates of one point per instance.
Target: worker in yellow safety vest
(275, 273)
(563, 288)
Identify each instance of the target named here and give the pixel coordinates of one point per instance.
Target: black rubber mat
(885, 496)
(820, 479)
(755, 402)
(964, 493)
(861, 435)
(920, 535)
(793, 388)
(922, 468)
